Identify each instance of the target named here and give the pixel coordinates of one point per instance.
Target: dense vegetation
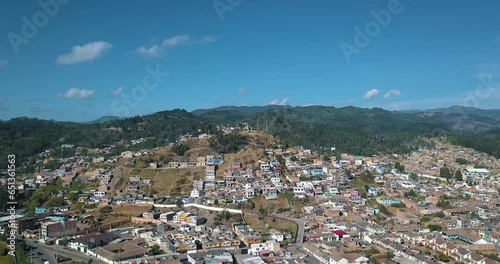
(488, 142)
(52, 195)
(229, 143)
(26, 137)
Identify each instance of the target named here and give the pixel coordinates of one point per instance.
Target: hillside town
(286, 205)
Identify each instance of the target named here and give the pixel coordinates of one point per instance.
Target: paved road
(301, 222)
(48, 252)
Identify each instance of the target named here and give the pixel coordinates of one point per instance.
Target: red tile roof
(339, 233)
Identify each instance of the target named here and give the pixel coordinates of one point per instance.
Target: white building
(195, 193)
(264, 248)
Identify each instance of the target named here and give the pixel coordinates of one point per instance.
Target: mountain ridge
(350, 129)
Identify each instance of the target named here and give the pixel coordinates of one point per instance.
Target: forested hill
(369, 131)
(25, 137)
(349, 129)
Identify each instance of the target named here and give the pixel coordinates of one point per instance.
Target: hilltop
(168, 181)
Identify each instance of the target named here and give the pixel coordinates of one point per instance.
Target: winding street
(301, 222)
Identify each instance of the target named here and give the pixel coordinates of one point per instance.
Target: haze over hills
(350, 129)
(248, 110)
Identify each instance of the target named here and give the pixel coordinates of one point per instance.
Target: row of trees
(447, 173)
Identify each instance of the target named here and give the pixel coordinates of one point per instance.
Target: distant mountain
(457, 109)
(105, 119)
(240, 109)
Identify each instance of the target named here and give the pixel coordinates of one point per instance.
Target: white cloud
(175, 41)
(76, 93)
(3, 64)
(280, 102)
(84, 53)
(158, 50)
(392, 93)
(242, 90)
(116, 92)
(370, 94)
(154, 51)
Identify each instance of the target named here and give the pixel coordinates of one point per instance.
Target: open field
(165, 181)
(271, 206)
(264, 224)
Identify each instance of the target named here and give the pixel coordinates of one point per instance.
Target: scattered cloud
(76, 93)
(370, 94)
(151, 52)
(392, 93)
(84, 53)
(175, 41)
(3, 64)
(116, 92)
(158, 50)
(206, 40)
(284, 101)
(242, 90)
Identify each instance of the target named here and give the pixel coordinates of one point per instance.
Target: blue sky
(89, 57)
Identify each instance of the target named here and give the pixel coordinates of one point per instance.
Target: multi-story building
(52, 229)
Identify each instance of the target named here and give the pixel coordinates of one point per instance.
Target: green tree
(461, 161)
(425, 219)
(426, 251)
(433, 228)
(458, 175)
(281, 160)
(411, 193)
(443, 257)
(399, 167)
(155, 249)
(180, 149)
(445, 172)
(440, 215)
(262, 211)
(72, 196)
